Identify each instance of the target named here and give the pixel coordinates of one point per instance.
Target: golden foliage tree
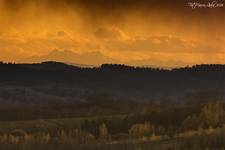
(141, 129)
(213, 114)
(103, 131)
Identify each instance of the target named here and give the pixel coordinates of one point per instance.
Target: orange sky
(144, 32)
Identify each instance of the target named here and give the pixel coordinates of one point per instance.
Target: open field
(48, 124)
(37, 135)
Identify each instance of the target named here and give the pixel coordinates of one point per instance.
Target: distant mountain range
(70, 57)
(53, 81)
(93, 59)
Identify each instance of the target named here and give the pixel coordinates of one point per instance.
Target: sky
(134, 32)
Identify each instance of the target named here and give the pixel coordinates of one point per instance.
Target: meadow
(170, 128)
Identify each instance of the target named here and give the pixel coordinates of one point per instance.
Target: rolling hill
(53, 81)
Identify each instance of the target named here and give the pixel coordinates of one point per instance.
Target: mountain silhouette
(70, 57)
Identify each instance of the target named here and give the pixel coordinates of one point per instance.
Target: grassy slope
(46, 124)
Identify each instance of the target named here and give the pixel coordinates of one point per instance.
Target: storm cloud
(126, 30)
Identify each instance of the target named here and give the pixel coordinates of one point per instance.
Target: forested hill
(57, 81)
